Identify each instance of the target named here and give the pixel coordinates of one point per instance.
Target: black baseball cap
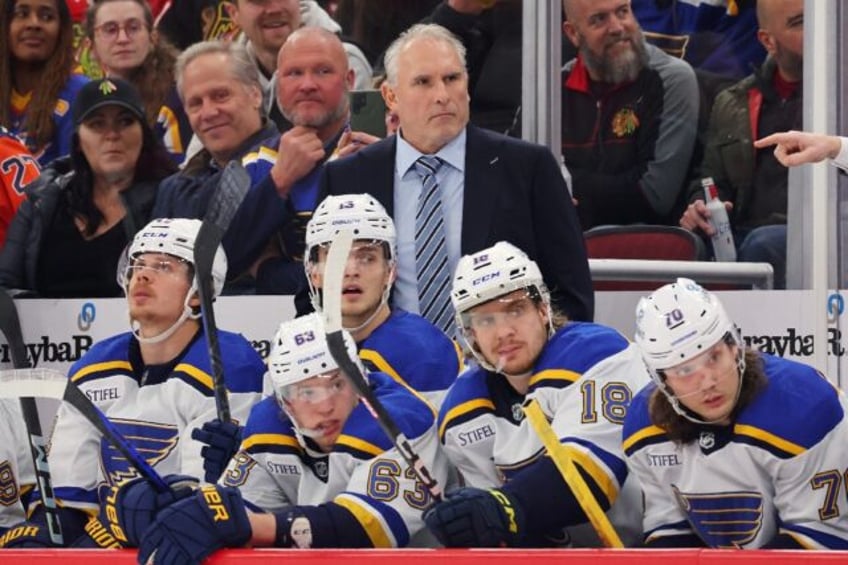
(105, 92)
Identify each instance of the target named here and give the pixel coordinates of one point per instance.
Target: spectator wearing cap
(82, 210)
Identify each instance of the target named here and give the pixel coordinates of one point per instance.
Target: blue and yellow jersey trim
(643, 437)
(101, 370)
(383, 525)
(196, 378)
(271, 443)
(553, 378)
(262, 153)
(600, 477)
(380, 363)
(796, 409)
(357, 447)
(464, 412)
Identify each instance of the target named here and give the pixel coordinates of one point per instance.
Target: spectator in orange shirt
(17, 168)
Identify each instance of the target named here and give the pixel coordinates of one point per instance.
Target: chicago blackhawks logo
(625, 122)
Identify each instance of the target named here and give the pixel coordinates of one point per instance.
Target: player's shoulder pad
(106, 358)
(467, 398)
(638, 430)
(572, 350)
(436, 359)
(269, 430)
(362, 435)
(243, 367)
(797, 408)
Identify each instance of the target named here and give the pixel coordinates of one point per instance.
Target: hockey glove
(26, 535)
(222, 441)
(188, 531)
(129, 508)
(472, 517)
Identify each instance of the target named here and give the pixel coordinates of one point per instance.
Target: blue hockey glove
(128, 509)
(472, 517)
(222, 441)
(188, 531)
(26, 535)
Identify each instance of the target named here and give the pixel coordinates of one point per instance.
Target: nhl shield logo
(707, 440)
(321, 469)
(517, 412)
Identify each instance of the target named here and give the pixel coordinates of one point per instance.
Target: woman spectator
(37, 82)
(80, 213)
(123, 41)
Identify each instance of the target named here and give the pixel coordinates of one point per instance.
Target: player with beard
(629, 116)
(583, 375)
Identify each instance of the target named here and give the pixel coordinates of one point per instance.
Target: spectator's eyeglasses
(110, 30)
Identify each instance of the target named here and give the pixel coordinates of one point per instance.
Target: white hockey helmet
(489, 274)
(362, 214)
(300, 351)
(175, 237)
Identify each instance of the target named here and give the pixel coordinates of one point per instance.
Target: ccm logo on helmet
(484, 278)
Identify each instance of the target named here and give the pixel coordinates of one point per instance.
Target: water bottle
(723, 246)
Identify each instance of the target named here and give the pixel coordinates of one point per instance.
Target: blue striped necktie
(431, 255)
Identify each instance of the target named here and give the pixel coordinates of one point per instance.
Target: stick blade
(33, 383)
(232, 188)
(333, 279)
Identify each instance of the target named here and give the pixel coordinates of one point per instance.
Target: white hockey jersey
(364, 474)
(17, 476)
(154, 407)
(584, 381)
(780, 468)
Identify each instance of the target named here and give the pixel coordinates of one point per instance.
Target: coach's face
(431, 95)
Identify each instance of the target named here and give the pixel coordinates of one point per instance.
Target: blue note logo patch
(724, 519)
(154, 442)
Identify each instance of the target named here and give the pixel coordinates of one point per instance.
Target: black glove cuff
(285, 522)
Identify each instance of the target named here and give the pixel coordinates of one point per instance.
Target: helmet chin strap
(384, 300)
(187, 314)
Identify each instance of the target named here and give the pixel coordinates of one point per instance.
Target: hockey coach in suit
(492, 187)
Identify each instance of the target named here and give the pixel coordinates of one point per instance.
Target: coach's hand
(188, 531)
(472, 517)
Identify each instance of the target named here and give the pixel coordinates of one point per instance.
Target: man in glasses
(583, 375)
(154, 384)
(315, 468)
(733, 447)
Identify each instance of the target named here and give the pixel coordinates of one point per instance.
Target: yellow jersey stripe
(464, 408)
(270, 439)
(372, 526)
(359, 444)
(202, 377)
(110, 366)
(383, 366)
(769, 438)
(554, 375)
(642, 434)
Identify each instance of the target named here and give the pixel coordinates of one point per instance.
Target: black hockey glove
(188, 531)
(128, 509)
(472, 517)
(222, 441)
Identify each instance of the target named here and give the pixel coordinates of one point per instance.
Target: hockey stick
(232, 188)
(10, 325)
(571, 476)
(50, 383)
(332, 295)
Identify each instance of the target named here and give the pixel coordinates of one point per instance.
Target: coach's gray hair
(243, 69)
(419, 31)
